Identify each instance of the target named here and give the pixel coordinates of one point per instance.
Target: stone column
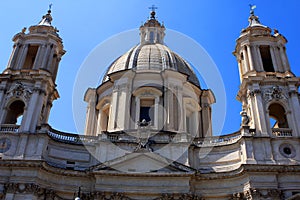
(170, 108)
(181, 116)
(260, 65)
(22, 57)
(278, 59)
(91, 112)
(46, 56)
(29, 113)
(286, 59)
(274, 61)
(137, 110)
(156, 112)
(39, 57)
(114, 109)
(251, 64)
(123, 107)
(295, 108)
(54, 74)
(258, 111)
(13, 56)
(246, 61)
(283, 59)
(37, 108)
(207, 119)
(50, 59)
(2, 93)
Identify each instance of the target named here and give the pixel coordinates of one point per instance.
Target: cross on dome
(153, 8)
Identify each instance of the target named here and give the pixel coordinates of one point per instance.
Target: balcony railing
(282, 132)
(70, 137)
(219, 141)
(10, 128)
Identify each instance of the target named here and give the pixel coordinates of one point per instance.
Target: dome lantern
(152, 31)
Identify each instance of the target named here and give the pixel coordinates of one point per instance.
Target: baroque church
(148, 133)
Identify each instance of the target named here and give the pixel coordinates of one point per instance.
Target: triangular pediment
(143, 162)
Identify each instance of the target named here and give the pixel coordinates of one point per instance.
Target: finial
(47, 19)
(153, 8)
(252, 7)
(50, 7)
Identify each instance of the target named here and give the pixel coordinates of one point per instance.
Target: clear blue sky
(214, 24)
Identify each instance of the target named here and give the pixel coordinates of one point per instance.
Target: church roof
(152, 54)
(152, 57)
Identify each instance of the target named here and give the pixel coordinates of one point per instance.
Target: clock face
(5, 144)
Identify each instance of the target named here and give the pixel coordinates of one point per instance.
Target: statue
(143, 135)
(245, 118)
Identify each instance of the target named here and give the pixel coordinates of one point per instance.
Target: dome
(152, 57)
(152, 54)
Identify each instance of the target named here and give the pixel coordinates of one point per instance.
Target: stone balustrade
(282, 132)
(131, 137)
(218, 140)
(9, 128)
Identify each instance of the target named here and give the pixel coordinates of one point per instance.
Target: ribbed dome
(154, 57)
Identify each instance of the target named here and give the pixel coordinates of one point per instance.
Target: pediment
(144, 162)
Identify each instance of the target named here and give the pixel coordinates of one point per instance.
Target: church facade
(148, 131)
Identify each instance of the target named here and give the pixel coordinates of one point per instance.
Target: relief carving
(179, 197)
(30, 188)
(274, 92)
(253, 194)
(19, 90)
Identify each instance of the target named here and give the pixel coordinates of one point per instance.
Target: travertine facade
(148, 127)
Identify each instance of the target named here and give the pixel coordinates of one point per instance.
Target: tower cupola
(261, 50)
(40, 48)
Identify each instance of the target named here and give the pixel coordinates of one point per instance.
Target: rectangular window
(152, 37)
(30, 57)
(147, 110)
(266, 58)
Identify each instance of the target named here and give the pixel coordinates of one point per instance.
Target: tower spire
(253, 19)
(47, 19)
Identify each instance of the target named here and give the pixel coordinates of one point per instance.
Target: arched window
(277, 116)
(15, 112)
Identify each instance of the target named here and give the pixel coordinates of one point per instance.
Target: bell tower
(27, 85)
(268, 90)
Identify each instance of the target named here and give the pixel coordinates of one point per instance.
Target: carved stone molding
(179, 197)
(19, 90)
(121, 87)
(274, 92)
(253, 194)
(30, 188)
(105, 196)
(252, 93)
(39, 90)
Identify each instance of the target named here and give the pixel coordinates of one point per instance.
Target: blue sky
(214, 24)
